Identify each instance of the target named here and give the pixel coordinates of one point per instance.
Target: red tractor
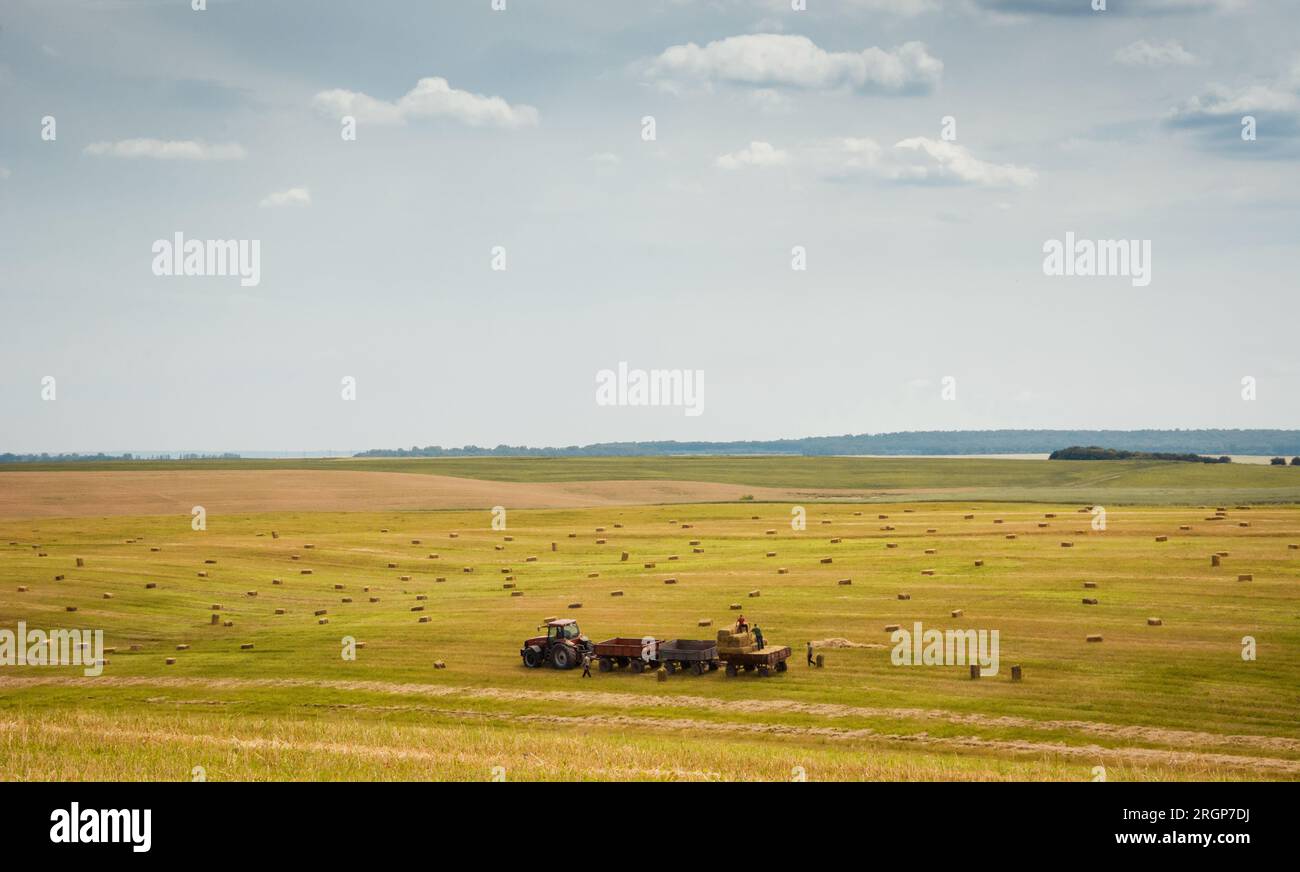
(563, 646)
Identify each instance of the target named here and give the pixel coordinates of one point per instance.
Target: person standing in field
(586, 666)
(811, 661)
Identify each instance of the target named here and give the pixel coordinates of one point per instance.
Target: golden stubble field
(1148, 702)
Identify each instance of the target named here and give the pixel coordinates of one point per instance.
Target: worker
(758, 637)
(811, 661)
(586, 666)
(741, 624)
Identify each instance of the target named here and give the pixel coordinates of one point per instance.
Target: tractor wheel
(731, 670)
(532, 658)
(781, 667)
(697, 667)
(562, 657)
(605, 665)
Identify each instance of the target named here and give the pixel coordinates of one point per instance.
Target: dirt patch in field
(100, 494)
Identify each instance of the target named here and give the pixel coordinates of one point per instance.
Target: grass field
(859, 478)
(1170, 702)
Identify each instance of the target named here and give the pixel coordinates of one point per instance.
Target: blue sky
(774, 128)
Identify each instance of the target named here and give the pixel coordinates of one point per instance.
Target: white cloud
(905, 8)
(4, 173)
(935, 160)
(291, 197)
(1115, 7)
(1148, 54)
(169, 149)
(1279, 95)
(756, 154)
(779, 60)
(431, 97)
(917, 160)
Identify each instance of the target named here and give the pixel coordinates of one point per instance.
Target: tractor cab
(562, 629)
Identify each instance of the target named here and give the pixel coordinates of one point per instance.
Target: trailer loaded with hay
(740, 653)
(695, 655)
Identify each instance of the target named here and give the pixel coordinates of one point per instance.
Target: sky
(915, 157)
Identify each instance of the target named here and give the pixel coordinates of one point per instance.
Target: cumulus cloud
(765, 60)
(917, 160)
(756, 154)
(290, 197)
(430, 98)
(1278, 95)
(167, 149)
(1149, 54)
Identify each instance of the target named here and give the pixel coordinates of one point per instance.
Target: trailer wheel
(670, 667)
(731, 670)
(713, 666)
(764, 672)
(532, 658)
(749, 667)
(638, 667)
(622, 662)
(605, 665)
(697, 667)
(781, 667)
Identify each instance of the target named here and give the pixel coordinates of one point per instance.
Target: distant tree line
(1093, 452)
(1216, 442)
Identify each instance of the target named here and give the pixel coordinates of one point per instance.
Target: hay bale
(997, 520)
(1246, 577)
(306, 572)
(22, 588)
(250, 593)
(555, 546)
(672, 556)
(670, 581)
(453, 535)
(979, 562)
(623, 558)
(1185, 527)
(826, 560)
(246, 646)
(600, 541)
(904, 596)
(931, 551)
(530, 560)
(1090, 584)
(1214, 560)
(694, 542)
(1154, 622)
(1089, 601)
(1162, 538)
(309, 546)
(439, 664)
(516, 593)
(753, 593)
(392, 566)
(275, 535)
(441, 579)
(891, 544)
(403, 578)
(575, 605)
(968, 517)
(661, 674)
(1093, 637)
(155, 549)
(467, 569)
(974, 672)
(210, 561)
(170, 661)
(322, 620)
(735, 607)
(203, 575)
(891, 628)
(616, 593)
(835, 541)
(649, 566)
(593, 575)
(957, 613)
(80, 562)
(769, 532)
(69, 608)
(927, 572)
(424, 619)
(573, 535)
(61, 577)
(845, 581)
(415, 541)
(1011, 535)
(320, 612)
(279, 611)
(346, 599)
(276, 581)
(821, 661)
(781, 570)
(509, 585)
(417, 608)
(340, 587)
(1042, 524)
(182, 647)
(1223, 553)
(932, 530)
(374, 599)
(216, 619)
(697, 550)
(1067, 544)
(706, 622)
(150, 585)
(1016, 673)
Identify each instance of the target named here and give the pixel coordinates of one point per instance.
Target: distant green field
(1175, 701)
(1112, 482)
